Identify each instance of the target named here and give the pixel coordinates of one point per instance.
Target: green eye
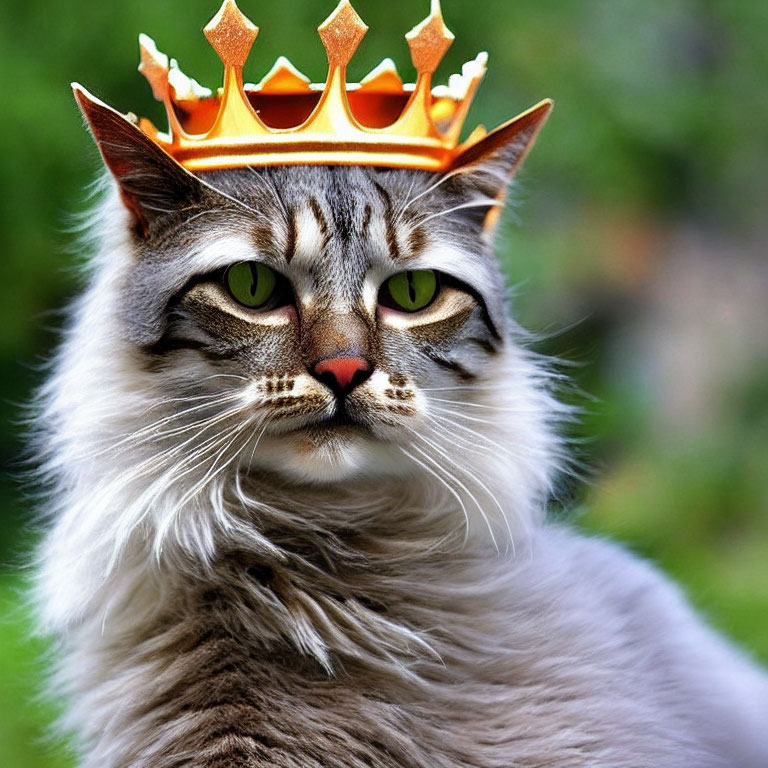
(410, 291)
(251, 283)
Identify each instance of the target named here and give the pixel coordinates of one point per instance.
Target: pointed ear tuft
(489, 165)
(151, 182)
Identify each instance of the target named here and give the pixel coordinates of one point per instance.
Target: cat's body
(573, 655)
(241, 573)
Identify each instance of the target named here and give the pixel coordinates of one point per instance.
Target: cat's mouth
(340, 422)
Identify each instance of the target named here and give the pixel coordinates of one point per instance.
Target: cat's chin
(327, 456)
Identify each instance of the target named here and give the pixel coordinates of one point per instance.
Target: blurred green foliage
(659, 129)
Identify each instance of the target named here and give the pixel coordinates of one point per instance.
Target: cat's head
(320, 324)
(339, 313)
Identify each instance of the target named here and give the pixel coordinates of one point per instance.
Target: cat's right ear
(487, 166)
(151, 182)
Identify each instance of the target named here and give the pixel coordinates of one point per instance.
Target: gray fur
(234, 585)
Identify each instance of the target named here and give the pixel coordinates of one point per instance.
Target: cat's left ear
(487, 167)
(151, 182)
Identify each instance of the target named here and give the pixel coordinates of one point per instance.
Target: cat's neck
(354, 574)
(357, 540)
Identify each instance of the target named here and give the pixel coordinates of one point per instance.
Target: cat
(299, 458)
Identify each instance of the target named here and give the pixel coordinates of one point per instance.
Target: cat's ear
(487, 167)
(151, 182)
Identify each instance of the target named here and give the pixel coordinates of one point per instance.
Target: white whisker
(445, 177)
(234, 200)
(206, 212)
(406, 200)
(266, 181)
(257, 441)
(446, 485)
(464, 388)
(151, 430)
(464, 487)
(485, 203)
(466, 416)
(483, 438)
(495, 408)
(474, 479)
(211, 473)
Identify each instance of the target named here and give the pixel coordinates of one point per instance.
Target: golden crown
(286, 120)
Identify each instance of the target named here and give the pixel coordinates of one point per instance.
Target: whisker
(149, 429)
(210, 401)
(203, 213)
(223, 376)
(212, 472)
(461, 415)
(445, 177)
(406, 200)
(471, 387)
(464, 442)
(104, 445)
(475, 479)
(485, 203)
(176, 431)
(446, 485)
(258, 440)
(201, 426)
(265, 181)
(183, 399)
(229, 197)
(153, 461)
(496, 408)
(484, 438)
(191, 461)
(468, 492)
(210, 475)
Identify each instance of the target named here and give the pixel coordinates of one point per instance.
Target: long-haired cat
(299, 459)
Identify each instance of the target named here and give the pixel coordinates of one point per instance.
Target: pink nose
(342, 373)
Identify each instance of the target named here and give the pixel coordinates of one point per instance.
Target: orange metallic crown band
(286, 120)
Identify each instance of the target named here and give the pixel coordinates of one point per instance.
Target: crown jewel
(286, 120)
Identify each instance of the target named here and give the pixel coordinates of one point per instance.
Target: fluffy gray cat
(299, 459)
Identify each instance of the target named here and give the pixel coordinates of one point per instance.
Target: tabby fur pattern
(236, 576)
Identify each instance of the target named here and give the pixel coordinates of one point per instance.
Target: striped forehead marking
(310, 236)
(390, 224)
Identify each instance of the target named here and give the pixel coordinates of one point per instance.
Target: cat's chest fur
(541, 659)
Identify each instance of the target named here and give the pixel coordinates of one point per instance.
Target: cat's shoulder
(626, 629)
(616, 576)
(613, 606)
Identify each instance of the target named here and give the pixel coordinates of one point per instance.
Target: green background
(636, 249)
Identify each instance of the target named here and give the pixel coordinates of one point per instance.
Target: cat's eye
(251, 283)
(410, 291)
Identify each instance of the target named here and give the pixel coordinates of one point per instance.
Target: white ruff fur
(525, 638)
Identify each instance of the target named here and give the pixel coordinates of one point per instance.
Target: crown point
(154, 66)
(478, 133)
(231, 34)
(429, 41)
(383, 79)
(341, 33)
(284, 78)
(185, 88)
(147, 45)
